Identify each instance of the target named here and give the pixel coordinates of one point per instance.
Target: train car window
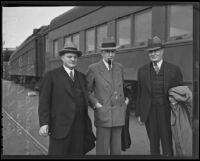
(90, 40)
(143, 27)
(181, 29)
(123, 31)
(47, 44)
(55, 48)
(76, 40)
(102, 32)
(67, 39)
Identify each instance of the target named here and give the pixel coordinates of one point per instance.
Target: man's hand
(126, 101)
(98, 105)
(44, 130)
(140, 122)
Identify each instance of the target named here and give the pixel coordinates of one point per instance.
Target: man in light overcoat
(106, 94)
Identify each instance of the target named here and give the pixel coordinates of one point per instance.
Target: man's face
(69, 60)
(108, 55)
(156, 55)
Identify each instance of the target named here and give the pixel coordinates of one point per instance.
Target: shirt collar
(68, 70)
(106, 64)
(160, 63)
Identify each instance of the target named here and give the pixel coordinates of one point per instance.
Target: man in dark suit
(63, 107)
(153, 108)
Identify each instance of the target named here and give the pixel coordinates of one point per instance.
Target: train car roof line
(71, 15)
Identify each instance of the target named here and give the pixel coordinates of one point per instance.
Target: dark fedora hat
(154, 43)
(70, 47)
(108, 44)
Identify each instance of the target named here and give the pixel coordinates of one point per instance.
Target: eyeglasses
(109, 51)
(153, 51)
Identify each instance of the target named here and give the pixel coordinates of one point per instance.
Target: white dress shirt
(68, 70)
(159, 63)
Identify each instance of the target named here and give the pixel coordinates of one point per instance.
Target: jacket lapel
(105, 73)
(147, 76)
(66, 81)
(166, 76)
(81, 81)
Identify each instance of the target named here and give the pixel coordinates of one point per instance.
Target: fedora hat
(154, 43)
(70, 47)
(108, 44)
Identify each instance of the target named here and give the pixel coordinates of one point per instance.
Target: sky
(18, 22)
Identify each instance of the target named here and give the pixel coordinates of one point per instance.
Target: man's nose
(73, 58)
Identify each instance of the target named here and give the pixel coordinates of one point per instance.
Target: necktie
(109, 65)
(155, 65)
(71, 75)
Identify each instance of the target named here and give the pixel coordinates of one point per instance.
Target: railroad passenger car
(130, 26)
(5, 65)
(27, 63)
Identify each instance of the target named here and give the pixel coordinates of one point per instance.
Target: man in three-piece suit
(106, 95)
(153, 108)
(63, 107)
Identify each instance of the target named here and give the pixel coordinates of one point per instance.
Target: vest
(157, 85)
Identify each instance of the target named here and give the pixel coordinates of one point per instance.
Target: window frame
(68, 36)
(142, 43)
(72, 39)
(129, 16)
(97, 27)
(178, 37)
(95, 37)
(55, 54)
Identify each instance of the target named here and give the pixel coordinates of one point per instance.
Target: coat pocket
(102, 114)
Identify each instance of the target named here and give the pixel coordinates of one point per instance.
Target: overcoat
(57, 105)
(106, 87)
(181, 115)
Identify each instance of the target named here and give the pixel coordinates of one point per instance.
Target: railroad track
(27, 134)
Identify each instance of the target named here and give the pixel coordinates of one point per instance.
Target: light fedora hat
(108, 44)
(154, 43)
(70, 47)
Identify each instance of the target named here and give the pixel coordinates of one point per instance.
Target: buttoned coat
(106, 87)
(57, 105)
(172, 77)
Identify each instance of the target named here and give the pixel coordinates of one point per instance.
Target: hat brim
(110, 48)
(154, 48)
(64, 51)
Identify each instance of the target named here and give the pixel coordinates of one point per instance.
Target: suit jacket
(57, 104)
(172, 77)
(107, 89)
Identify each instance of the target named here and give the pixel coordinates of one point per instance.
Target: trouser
(159, 129)
(108, 138)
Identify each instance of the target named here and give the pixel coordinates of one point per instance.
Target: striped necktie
(155, 65)
(71, 75)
